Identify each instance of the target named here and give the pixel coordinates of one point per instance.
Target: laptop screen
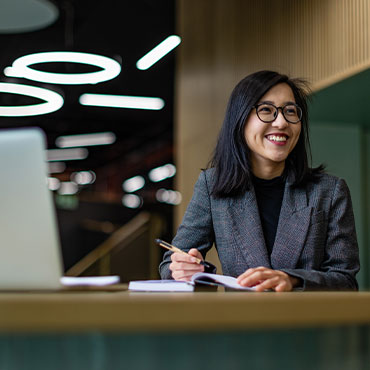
(30, 256)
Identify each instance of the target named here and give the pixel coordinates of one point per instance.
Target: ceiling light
(66, 154)
(83, 177)
(67, 188)
(162, 173)
(168, 196)
(54, 101)
(132, 201)
(133, 184)
(20, 68)
(18, 16)
(158, 52)
(70, 141)
(53, 183)
(121, 101)
(56, 167)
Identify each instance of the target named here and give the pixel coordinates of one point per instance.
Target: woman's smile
(277, 138)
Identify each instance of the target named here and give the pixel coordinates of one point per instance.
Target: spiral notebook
(200, 279)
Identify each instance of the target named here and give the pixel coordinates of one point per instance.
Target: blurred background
(110, 203)
(108, 183)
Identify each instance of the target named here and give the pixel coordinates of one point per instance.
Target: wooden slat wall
(224, 40)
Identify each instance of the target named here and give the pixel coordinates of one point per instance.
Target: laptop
(30, 252)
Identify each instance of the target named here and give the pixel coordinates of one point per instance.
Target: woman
(276, 223)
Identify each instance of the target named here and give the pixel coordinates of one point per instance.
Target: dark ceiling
(121, 29)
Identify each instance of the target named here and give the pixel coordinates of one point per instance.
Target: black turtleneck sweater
(269, 194)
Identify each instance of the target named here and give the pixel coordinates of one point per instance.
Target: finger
(195, 253)
(268, 284)
(245, 275)
(178, 266)
(284, 286)
(181, 257)
(256, 277)
(250, 271)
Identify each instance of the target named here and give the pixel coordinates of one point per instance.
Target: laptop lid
(30, 255)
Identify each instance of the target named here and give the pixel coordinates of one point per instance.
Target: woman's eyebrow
(271, 102)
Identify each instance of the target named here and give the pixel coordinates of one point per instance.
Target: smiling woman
(272, 142)
(276, 222)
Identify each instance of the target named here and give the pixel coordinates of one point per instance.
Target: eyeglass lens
(268, 112)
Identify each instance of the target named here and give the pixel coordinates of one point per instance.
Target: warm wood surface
(127, 311)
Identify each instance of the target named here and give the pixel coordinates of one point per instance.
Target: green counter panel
(298, 349)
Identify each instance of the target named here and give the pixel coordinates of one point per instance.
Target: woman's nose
(280, 121)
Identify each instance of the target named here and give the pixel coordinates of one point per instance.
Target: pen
(172, 248)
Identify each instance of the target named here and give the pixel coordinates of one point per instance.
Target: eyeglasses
(268, 112)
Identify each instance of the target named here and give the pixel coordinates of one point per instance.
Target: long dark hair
(231, 158)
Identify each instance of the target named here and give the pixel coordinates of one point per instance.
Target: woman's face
(271, 143)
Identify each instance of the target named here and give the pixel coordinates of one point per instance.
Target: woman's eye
(291, 111)
(265, 110)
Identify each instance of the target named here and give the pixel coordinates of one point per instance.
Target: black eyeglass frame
(299, 112)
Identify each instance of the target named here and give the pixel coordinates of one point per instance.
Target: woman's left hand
(263, 278)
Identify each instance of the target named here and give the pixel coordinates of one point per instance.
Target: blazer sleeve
(341, 258)
(196, 229)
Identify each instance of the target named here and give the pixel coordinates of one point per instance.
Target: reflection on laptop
(30, 254)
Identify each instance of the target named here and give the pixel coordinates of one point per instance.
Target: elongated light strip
(73, 154)
(83, 177)
(20, 68)
(72, 141)
(161, 173)
(168, 196)
(53, 101)
(67, 188)
(132, 201)
(121, 101)
(158, 52)
(133, 184)
(57, 167)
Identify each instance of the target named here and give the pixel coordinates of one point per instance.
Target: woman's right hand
(184, 266)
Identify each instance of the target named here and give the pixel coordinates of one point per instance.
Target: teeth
(276, 138)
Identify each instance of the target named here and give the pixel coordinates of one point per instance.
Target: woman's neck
(268, 172)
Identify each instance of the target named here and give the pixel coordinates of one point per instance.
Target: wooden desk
(131, 311)
(123, 330)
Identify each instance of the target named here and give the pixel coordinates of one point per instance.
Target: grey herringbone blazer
(315, 239)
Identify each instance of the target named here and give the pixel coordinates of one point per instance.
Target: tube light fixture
(133, 184)
(168, 196)
(161, 173)
(132, 201)
(53, 183)
(21, 68)
(83, 177)
(73, 154)
(53, 101)
(121, 101)
(56, 167)
(71, 141)
(67, 188)
(158, 52)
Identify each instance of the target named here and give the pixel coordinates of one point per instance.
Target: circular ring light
(54, 101)
(21, 68)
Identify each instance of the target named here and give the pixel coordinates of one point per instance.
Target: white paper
(183, 286)
(226, 281)
(89, 280)
(160, 286)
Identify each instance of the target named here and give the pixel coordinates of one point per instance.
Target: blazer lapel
(247, 230)
(292, 228)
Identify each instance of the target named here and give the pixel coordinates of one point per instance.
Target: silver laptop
(30, 253)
